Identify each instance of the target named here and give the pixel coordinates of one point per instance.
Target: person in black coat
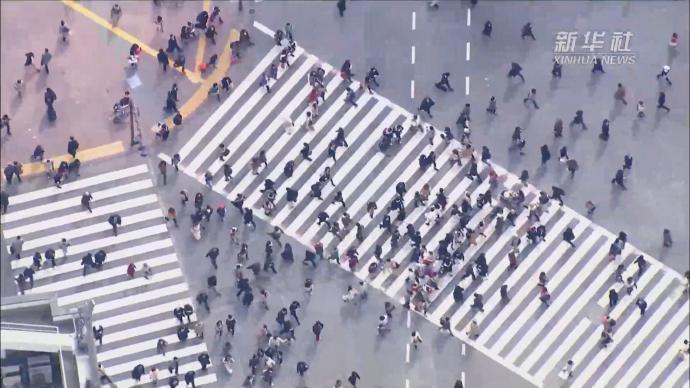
(545, 154)
(137, 372)
(204, 360)
(458, 294)
(287, 253)
(163, 59)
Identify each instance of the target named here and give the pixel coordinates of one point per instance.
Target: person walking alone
(661, 102)
(620, 94)
(531, 97)
(664, 73)
(115, 15)
(72, 146)
(45, 59)
(163, 168)
(444, 84)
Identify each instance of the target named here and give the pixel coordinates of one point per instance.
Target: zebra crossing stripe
(304, 166)
(622, 332)
(127, 221)
(123, 335)
(247, 179)
(661, 364)
(557, 357)
(79, 281)
(340, 172)
(157, 359)
(399, 282)
(96, 244)
(131, 300)
(561, 275)
(652, 321)
(681, 369)
(250, 129)
(122, 286)
(77, 185)
(679, 320)
(98, 196)
(101, 211)
(491, 259)
(236, 94)
(564, 318)
(138, 347)
(163, 375)
(130, 316)
(212, 145)
(551, 237)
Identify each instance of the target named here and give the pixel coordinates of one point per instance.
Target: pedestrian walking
(115, 220)
(557, 69)
(566, 372)
(516, 71)
(72, 146)
(627, 162)
(619, 179)
(341, 7)
(45, 60)
(619, 95)
(161, 346)
(492, 106)
(642, 305)
(317, 328)
(98, 334)
(598, 66)
(664, 74)
(86, 199)
(613, 298)
(131, 270)
(163, 59)
(661, 102)
(172, 215)
(29, 62)
(4, 201)
(63, 31)
(5, 122)
(640, 109)
(488, 28)
(668, 242)
(473, 330)
(102, 375)
(115, 15)
(605, 130)
(444, 83)
(354, 377)
(219, 329)
(230, 323)
(212, 254)
(426, 105)
(531, 97)
(578, 120)
(163, 168)
(591, 207)
(416, 339)
(527, 31)
(569, 236)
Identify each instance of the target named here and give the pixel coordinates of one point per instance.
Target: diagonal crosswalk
(134, 313)
(523, 334)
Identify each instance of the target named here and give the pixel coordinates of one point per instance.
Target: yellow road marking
(201, 43)
(201, 93)
(83, 156)
(191, 74)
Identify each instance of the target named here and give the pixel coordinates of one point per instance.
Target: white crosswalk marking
(660, 337)
(519, 333)
(134, 312)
